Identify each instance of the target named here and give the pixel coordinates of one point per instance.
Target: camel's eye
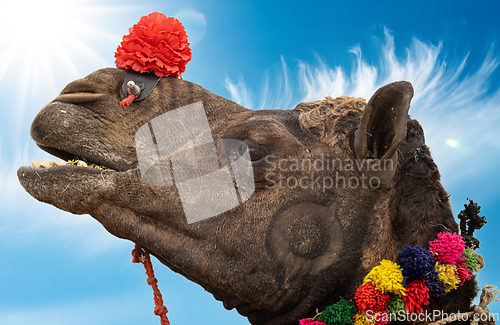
(255, 152)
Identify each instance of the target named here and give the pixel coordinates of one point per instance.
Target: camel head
(275, 212)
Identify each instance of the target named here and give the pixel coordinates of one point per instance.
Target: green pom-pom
(395, 305)
(471, 259)
(340, 313)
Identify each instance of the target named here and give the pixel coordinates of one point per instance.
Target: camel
(336, 186)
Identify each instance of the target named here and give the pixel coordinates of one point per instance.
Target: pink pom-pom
(307, 321)
(382, 319)
(447, 248)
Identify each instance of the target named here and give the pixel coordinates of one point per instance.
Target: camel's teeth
(45, 164)
(59, 163)
(81, 163)
(75, 162)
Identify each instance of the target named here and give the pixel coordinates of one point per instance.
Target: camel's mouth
(58, 173)
(68, 159)
(80, 137)
(88, 157)
(73, 183)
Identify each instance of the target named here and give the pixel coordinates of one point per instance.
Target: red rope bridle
(139, 255)
(131, 97)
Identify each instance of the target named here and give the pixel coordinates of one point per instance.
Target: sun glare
(35, 32)
(452, 143)
(40, 40)
(38, 20)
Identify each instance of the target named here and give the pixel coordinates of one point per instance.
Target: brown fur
(331, 119)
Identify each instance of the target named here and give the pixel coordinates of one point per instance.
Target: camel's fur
(284, 252)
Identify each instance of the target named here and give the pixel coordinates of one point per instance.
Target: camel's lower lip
(71, 188)
(64, 169)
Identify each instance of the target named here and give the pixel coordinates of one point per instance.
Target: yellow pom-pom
(447, 274)
(387, 277)
(363, 319)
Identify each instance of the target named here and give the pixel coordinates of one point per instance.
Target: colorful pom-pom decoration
(387, 278)
(340, 313)
(307, 321)
(363, 319)
(471, 259)
(435, 285)
(396, 305)
(447, 248)
(448, 275)
(416, 262)
(417, 294)
(371, 318)
(392, 290)
(463, 272)
(368, 298)
(158, 44)
(382, 319)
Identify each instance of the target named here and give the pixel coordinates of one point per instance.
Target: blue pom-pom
(435, 285)
(416, 262)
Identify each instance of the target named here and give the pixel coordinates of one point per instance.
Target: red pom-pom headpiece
(158, 44)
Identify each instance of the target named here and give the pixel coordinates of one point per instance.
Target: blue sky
(59, 268)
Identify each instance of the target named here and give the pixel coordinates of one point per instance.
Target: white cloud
(239, 92)
(195, 24)
(450, 102)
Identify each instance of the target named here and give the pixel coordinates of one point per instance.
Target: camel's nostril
(82, 91)
(79, 98)
(85, 86)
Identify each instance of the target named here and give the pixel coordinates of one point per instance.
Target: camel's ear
(383, 124)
